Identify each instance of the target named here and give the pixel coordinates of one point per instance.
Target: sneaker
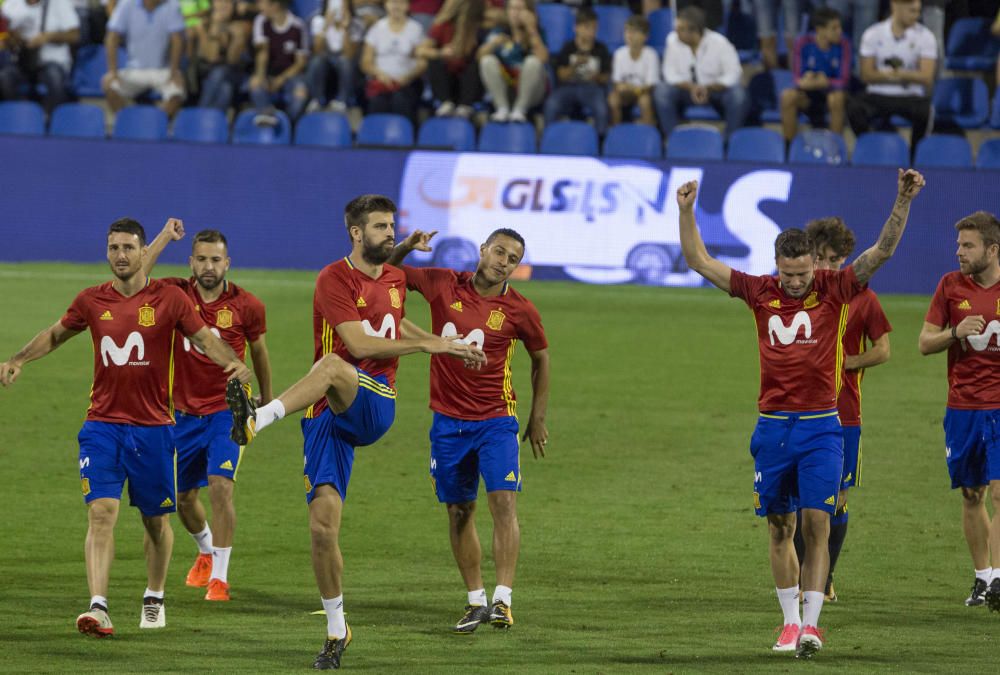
(217, 590)
(474, 615)
(501, 115)
(266, 120)
(810, 642)
(992, 596)
(446, 109)
(329, 658)
(464, 111)
(518, 117)
(244, 412)
(500, 615)
(95, 622)
(977, 596)
(154, 615)
(313, 106)
(200, 571)
(336, 106)
(788, 638)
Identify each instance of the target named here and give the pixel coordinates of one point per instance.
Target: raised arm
(364, 346)
(221, 354)
(692, 246)
(417, 241)
(910, 183)
(262, 368)
(43, 343)
(536, 431)
(172, 231)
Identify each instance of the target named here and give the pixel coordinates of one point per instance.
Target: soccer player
(128, 431)
(349, 392)
(866, 323)
(206, 456)
(964, 317)
(475, 425)
(797, 445)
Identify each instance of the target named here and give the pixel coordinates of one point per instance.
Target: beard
(974, 267)
(376, 254)
(124, 273)
(210, 283)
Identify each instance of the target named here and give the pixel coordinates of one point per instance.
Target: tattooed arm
(910, 183)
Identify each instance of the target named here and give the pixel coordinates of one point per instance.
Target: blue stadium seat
(557, 22)
(89, 67)
(756, 144)
(661, 23)
(305, 9)
(881, 148)
(201, 125)
(970, 45)
(22, 118)
(818, 146)
(327, 129)
(454, 133)
(245, 132)
(694, 143)
(140, 123)
(77, 120)
(995, 117)
(639, 141)
(611, 25)
(989, 154)
(765, 90)
(516, 137)
(943, 151)
(385, 129)
(569, 137)
(962, 100)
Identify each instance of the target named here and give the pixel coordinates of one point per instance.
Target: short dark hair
(128, 226)
(832, 232)
(792, 243)
(983, 222)
(694, 16)
(209, 237)
(638, 22)
(585, 15)
(506, 232)
(357, 210)
(823, 16)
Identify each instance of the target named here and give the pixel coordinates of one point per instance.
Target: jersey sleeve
(937, 313)
(530, 332)
(744, 286)
(75, 317)
(876, 322)
(333, 300)
(426, 281)
(255, 324)
(845, 285)
(188, 320)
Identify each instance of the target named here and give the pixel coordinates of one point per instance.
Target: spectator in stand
(425, 12)
(513, 57)
(154, 36)
(635, 69)
(767, 27)
(700, 67)
(450, 51)
(862, 13)
(583, 68)
(368, 12)
(337, 34)
(389, 60)
(195, 13)
(281, 49)
(219, 76)
(39, 35)
(898, 62)
(821, 66)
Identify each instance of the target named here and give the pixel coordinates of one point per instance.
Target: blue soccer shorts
(972, 446)
(852, 458)
(329, 440)
(798, 461)
(110, 453)
(461, 450)
(204, 449)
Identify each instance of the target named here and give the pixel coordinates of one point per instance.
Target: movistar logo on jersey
(188, 345)
(387, 330)
(787, 335)
(121, 356)
(982, 341)
(475, 337)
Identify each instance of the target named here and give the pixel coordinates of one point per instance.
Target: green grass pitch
(640, 550)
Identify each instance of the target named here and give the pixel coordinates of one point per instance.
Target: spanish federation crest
(810, 301)
(495, 320)
(147, 316)
(394, 299)
(224, 318)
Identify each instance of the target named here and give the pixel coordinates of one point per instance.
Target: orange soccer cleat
(200, 571)
(217, 590)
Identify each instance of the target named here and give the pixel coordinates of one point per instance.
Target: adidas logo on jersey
(964, 305)
(168, 502)
(361, 302)
(227, 465)
(511, 476)
(457, 305)
(107, 316)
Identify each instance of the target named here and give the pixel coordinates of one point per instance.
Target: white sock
(204, 540)
(502, 593)
(987, 573)
(994, 575)
(99, 600)
(269, 414)
(788, 598)
(812, 605)
(220, 563)
(152, 594)
(336, 627)
(478, 597)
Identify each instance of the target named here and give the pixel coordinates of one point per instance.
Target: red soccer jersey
(238, 318)
(133, 340)
(493, 324)
(973, 363)
(799, 338)
(865, 321)
(344, 293)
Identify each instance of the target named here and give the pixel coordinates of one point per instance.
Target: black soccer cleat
(992, 595)
(979, 590)
(244, 412)
(501, 616)
(329, 658)
(474, 615)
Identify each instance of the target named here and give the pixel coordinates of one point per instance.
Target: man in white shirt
(898, 61)
(40, 35)
(700, 67)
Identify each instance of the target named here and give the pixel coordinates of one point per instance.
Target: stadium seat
(515, 137)
(556, 21)
(995, 117)
(989, 154)
(77, 120)
(961, 100)
(881, 148)
(327, 129)
(943, 151)
(454, 133)
(245, 132)
(89, 67)
(970, 45)
(385, 129)
(818, 146)
(611, 25)
(140, 123)
(694, 143)
(306, 9)
(756, 144)
(661, 23)
(765, 90)
(638, 141)
(569, 137)
(201, 125)
(22, 118)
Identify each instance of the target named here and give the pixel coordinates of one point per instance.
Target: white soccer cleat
(788, 638)
(95, 622)
(154, 615)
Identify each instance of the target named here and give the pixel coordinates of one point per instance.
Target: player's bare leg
(328, 565)
(976, 525)
(992, 595)
(99, 547)
(506, 547)
(816, 536)
(220, 493)
(781, 529)
(190, 511)
(192, 515)
(468, 555)
(158, 543)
